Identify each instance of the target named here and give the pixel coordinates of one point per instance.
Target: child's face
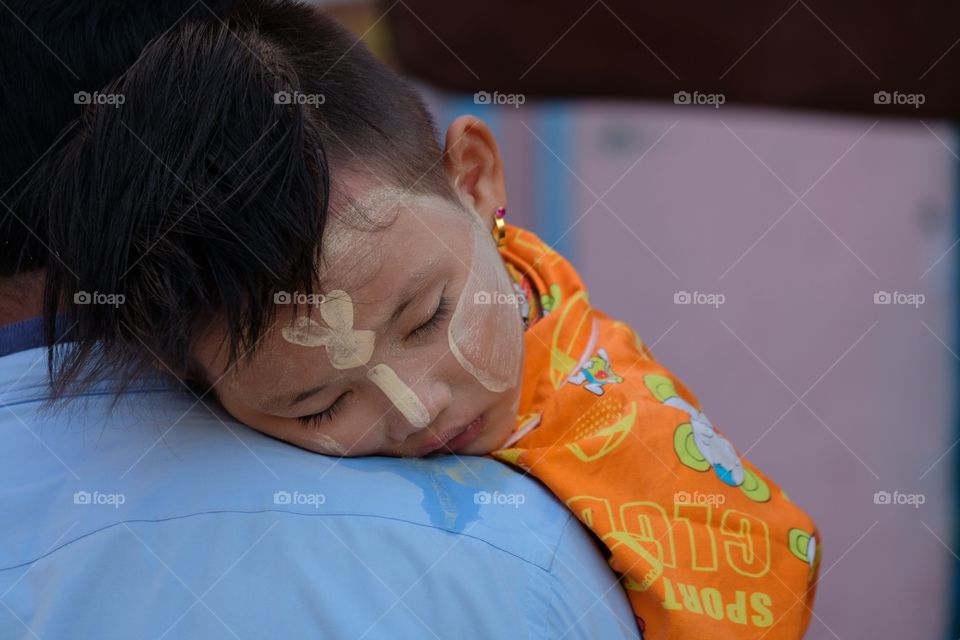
(403, 385)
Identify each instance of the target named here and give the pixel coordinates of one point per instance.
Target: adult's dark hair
(207, 190)
(50, 52)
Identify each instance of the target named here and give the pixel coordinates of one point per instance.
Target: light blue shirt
(166, 519)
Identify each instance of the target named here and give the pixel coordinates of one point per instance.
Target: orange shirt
(706, 545)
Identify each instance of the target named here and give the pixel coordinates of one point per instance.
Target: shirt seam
(554, 579)
(94, 532)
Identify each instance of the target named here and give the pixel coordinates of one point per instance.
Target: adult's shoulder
(165, 515)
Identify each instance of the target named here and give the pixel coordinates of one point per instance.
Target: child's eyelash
(315, 419)
(443, 310)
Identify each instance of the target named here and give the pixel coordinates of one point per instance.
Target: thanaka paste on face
(485, 330)
(493, 360)
(357, 220)
(346, 347)
(341, 240)
(400, 395)
(482, 337)
(330, 446)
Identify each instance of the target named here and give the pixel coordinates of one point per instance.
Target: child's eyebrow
(407, 295)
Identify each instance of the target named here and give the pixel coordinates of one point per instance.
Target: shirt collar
(27, 334)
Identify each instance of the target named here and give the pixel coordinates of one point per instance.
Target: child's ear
(474, 167)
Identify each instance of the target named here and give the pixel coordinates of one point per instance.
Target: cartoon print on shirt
(526, 295)
(596, 373)
(700, 447)
(804, 546)
(522, 302)
(552, 300)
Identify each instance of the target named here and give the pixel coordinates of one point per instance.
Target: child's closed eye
(439, 316)
(441, 313)
(315, 419)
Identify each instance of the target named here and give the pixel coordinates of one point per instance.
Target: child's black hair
(207, 190)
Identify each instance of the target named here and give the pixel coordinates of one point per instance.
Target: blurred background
(767, 193)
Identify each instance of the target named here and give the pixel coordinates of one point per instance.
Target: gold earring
(499, 229)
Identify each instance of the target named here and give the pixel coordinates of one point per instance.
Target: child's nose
(435, 396)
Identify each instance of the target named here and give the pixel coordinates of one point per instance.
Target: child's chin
(484, 444)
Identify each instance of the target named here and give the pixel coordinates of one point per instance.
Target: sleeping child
(292, 242)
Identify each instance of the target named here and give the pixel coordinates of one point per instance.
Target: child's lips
(455, 440)
(471, 433)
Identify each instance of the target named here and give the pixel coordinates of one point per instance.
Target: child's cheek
(402, 396)
(486, 328)
(327, 445)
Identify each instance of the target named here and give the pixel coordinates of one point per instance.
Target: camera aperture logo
(112, 99)
(897, 98)
(912, 499)
(700, 298)
(696, 97)
(96, 498)
(298, 298)
(497, 498)
(110, 299)
(296, 498)
(297, 97)
(899, 298)
(496, 297)
(712, 499)
(512, 99)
